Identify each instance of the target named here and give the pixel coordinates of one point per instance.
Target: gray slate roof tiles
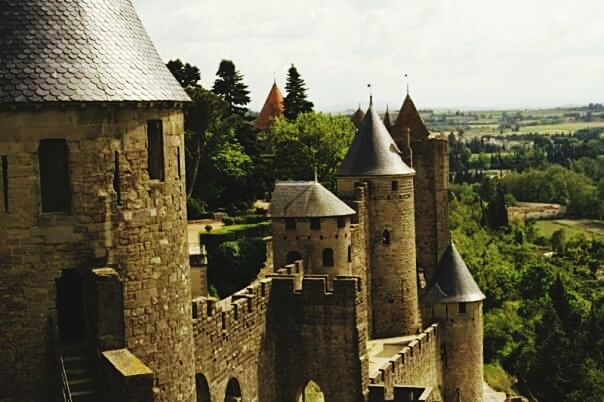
(79, 51)
(453, 282)
(373, 151)
(300, 199)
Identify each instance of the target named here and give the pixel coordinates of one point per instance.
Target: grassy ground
(586, 227)
(498, 379)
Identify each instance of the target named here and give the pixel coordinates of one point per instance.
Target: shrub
(195, 209)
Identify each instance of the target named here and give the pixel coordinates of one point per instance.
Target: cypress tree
(229, 85)
(295, 101)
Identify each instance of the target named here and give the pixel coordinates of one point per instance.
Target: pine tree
(295, 101)
(186, 74)
(229, 85)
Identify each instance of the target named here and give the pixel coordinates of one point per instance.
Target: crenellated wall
(278, 332)
(418, 363)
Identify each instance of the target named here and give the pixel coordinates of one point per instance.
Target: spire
(80, 51)
(452, 282)
(357, 117)
(409, 118)
(273, 108)
(373, 151)
(387, 122)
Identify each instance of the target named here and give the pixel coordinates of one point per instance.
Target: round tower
(91, 144)
(454, 300)
(375, 159)
(311, 224)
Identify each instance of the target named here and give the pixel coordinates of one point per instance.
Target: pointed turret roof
(452, 282)
(409, 118)
(301, 199)
(357, 117)
(273, 108)
(387, 122)
(373, 151)
(79, 51)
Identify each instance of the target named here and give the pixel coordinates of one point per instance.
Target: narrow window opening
(386, 237)
(315, 223)
(462, 308)
(341, 221)
(5, 182)
(349, 253)
(155, 150)
(116, 177)
(394, 185)
(328, 257)
(290, 224)
(178, 162)
(54, 176)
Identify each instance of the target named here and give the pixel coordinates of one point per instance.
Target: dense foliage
(544, 316)
(312, 141)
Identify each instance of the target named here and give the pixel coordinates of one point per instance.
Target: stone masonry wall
(418, 363)
(431, 163)
(462, 346)
(143, 237)
(394, 298)
(311, 243)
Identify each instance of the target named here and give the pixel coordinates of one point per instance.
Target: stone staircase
(81, 372)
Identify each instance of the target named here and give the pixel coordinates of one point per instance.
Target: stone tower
(429, 157)
(455, 301)
(310, 223)
(375, 159)
(273, 108)
(91, 143)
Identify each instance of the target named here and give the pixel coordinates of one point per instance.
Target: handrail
(54, 330)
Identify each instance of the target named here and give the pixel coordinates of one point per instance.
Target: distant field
(569, 127)
(587, 227)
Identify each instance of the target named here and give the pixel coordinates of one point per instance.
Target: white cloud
(479, 53)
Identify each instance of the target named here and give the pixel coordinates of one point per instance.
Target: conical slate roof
(357, 117)
(373, 151)
(453, 282)
(409, 118)
(300, 199)
(387, 122)
(273, 107)
(79, 51)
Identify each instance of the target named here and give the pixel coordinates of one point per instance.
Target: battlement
(317, 289)
(414, 363)
(402, 393)
(233, 308)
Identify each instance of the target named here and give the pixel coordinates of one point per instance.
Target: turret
(91, 140)
(428, 155)
(357, 117)
(310, 223)
(375, 159)
(273, 108)
(455, 301)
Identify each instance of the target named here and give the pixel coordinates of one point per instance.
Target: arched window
(311, 393)
(328, 257)
(203, 389)
(233, 391)
(292, 257)
(386, 236)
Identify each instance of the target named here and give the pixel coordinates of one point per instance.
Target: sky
(466, 54)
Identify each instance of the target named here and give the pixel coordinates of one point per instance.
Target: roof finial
(407, 81)
(370, 95)
(274, 78)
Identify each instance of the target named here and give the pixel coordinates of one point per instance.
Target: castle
(369, 299)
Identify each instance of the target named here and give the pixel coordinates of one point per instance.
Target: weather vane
(407, 81)
(370, 94)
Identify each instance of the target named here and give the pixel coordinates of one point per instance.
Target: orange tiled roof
(273, 108)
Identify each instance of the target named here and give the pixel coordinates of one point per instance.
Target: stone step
(91, 395)
(83, 384)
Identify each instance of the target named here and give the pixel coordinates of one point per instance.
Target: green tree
(559, 241)
(186, 74)
(295, 101)
(313, 140)
(230, 87)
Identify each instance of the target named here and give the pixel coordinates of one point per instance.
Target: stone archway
(311, 393)
(203, 389)
(233, 391)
